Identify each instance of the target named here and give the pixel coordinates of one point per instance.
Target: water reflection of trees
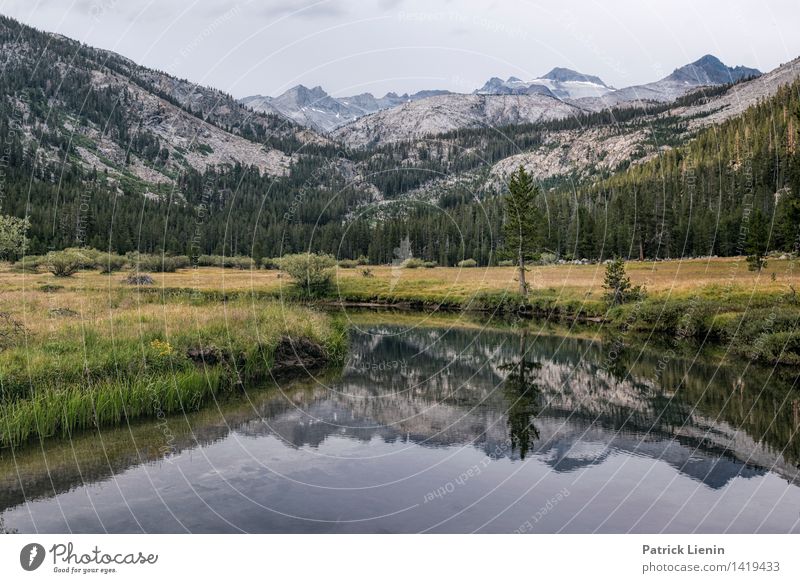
(522, 393)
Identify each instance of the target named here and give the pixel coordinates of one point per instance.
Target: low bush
(65, 263)
(468, 263)
(28, 264)
(618, 287)
(227, 261)
(181, 261)
(110, 262)
(347, 263)
(12, 331)
(154, 263)
(209, 261)
(547, 258)
(49, 288)
(413, 263)
(312, 273)
(271, 263)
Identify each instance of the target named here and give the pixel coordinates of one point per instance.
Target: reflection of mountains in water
(443, 389)
(440, 389)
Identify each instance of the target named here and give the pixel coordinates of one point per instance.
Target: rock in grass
(62, 313)
(138, 279)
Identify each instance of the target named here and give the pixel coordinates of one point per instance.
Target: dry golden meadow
(585, 281)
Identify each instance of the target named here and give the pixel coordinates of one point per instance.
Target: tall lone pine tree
(521, 226)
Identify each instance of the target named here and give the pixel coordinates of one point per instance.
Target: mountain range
(560, 83)
(315, 108)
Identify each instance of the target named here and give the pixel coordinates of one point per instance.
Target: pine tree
(521, 227)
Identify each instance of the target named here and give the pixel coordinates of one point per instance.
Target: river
(436, 427)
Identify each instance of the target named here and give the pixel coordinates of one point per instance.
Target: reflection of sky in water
(423, 412)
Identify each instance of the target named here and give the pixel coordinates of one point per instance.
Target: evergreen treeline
(706, 198)
(700, 199)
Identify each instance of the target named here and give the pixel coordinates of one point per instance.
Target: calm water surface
(443, 430)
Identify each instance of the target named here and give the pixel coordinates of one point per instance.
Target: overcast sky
(351, 46)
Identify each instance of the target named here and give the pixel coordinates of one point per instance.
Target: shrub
(110, 262)
(65, 263)
(270, 263)
(347, 263)
(429, 264)
(12, 235)
(413, 263)
(756, 262)
(182, 261)
(242, 262)
(312, 273)
(547, 258)
(228, 261)
(29, 263)
(209, 261)
(50, 288)
(154, 263)
(618, 285)
(505, 263)
(90, 256)
(362, 260)
(468, 263)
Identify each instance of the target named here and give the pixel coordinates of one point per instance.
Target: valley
(303, 306)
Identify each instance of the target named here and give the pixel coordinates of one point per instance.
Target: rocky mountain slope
(609, 147)
(317, 109)
(705, 72)
(560, 94)
(105, 112)
(444, 113)
(741, 96)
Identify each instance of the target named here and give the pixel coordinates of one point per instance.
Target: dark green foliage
(617, 285)
(522, 394)
(521, 226)
(757, 241)
(522, 223)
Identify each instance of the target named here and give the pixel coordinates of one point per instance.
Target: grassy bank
(82, 355)
(94, 334)
(754, 315)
